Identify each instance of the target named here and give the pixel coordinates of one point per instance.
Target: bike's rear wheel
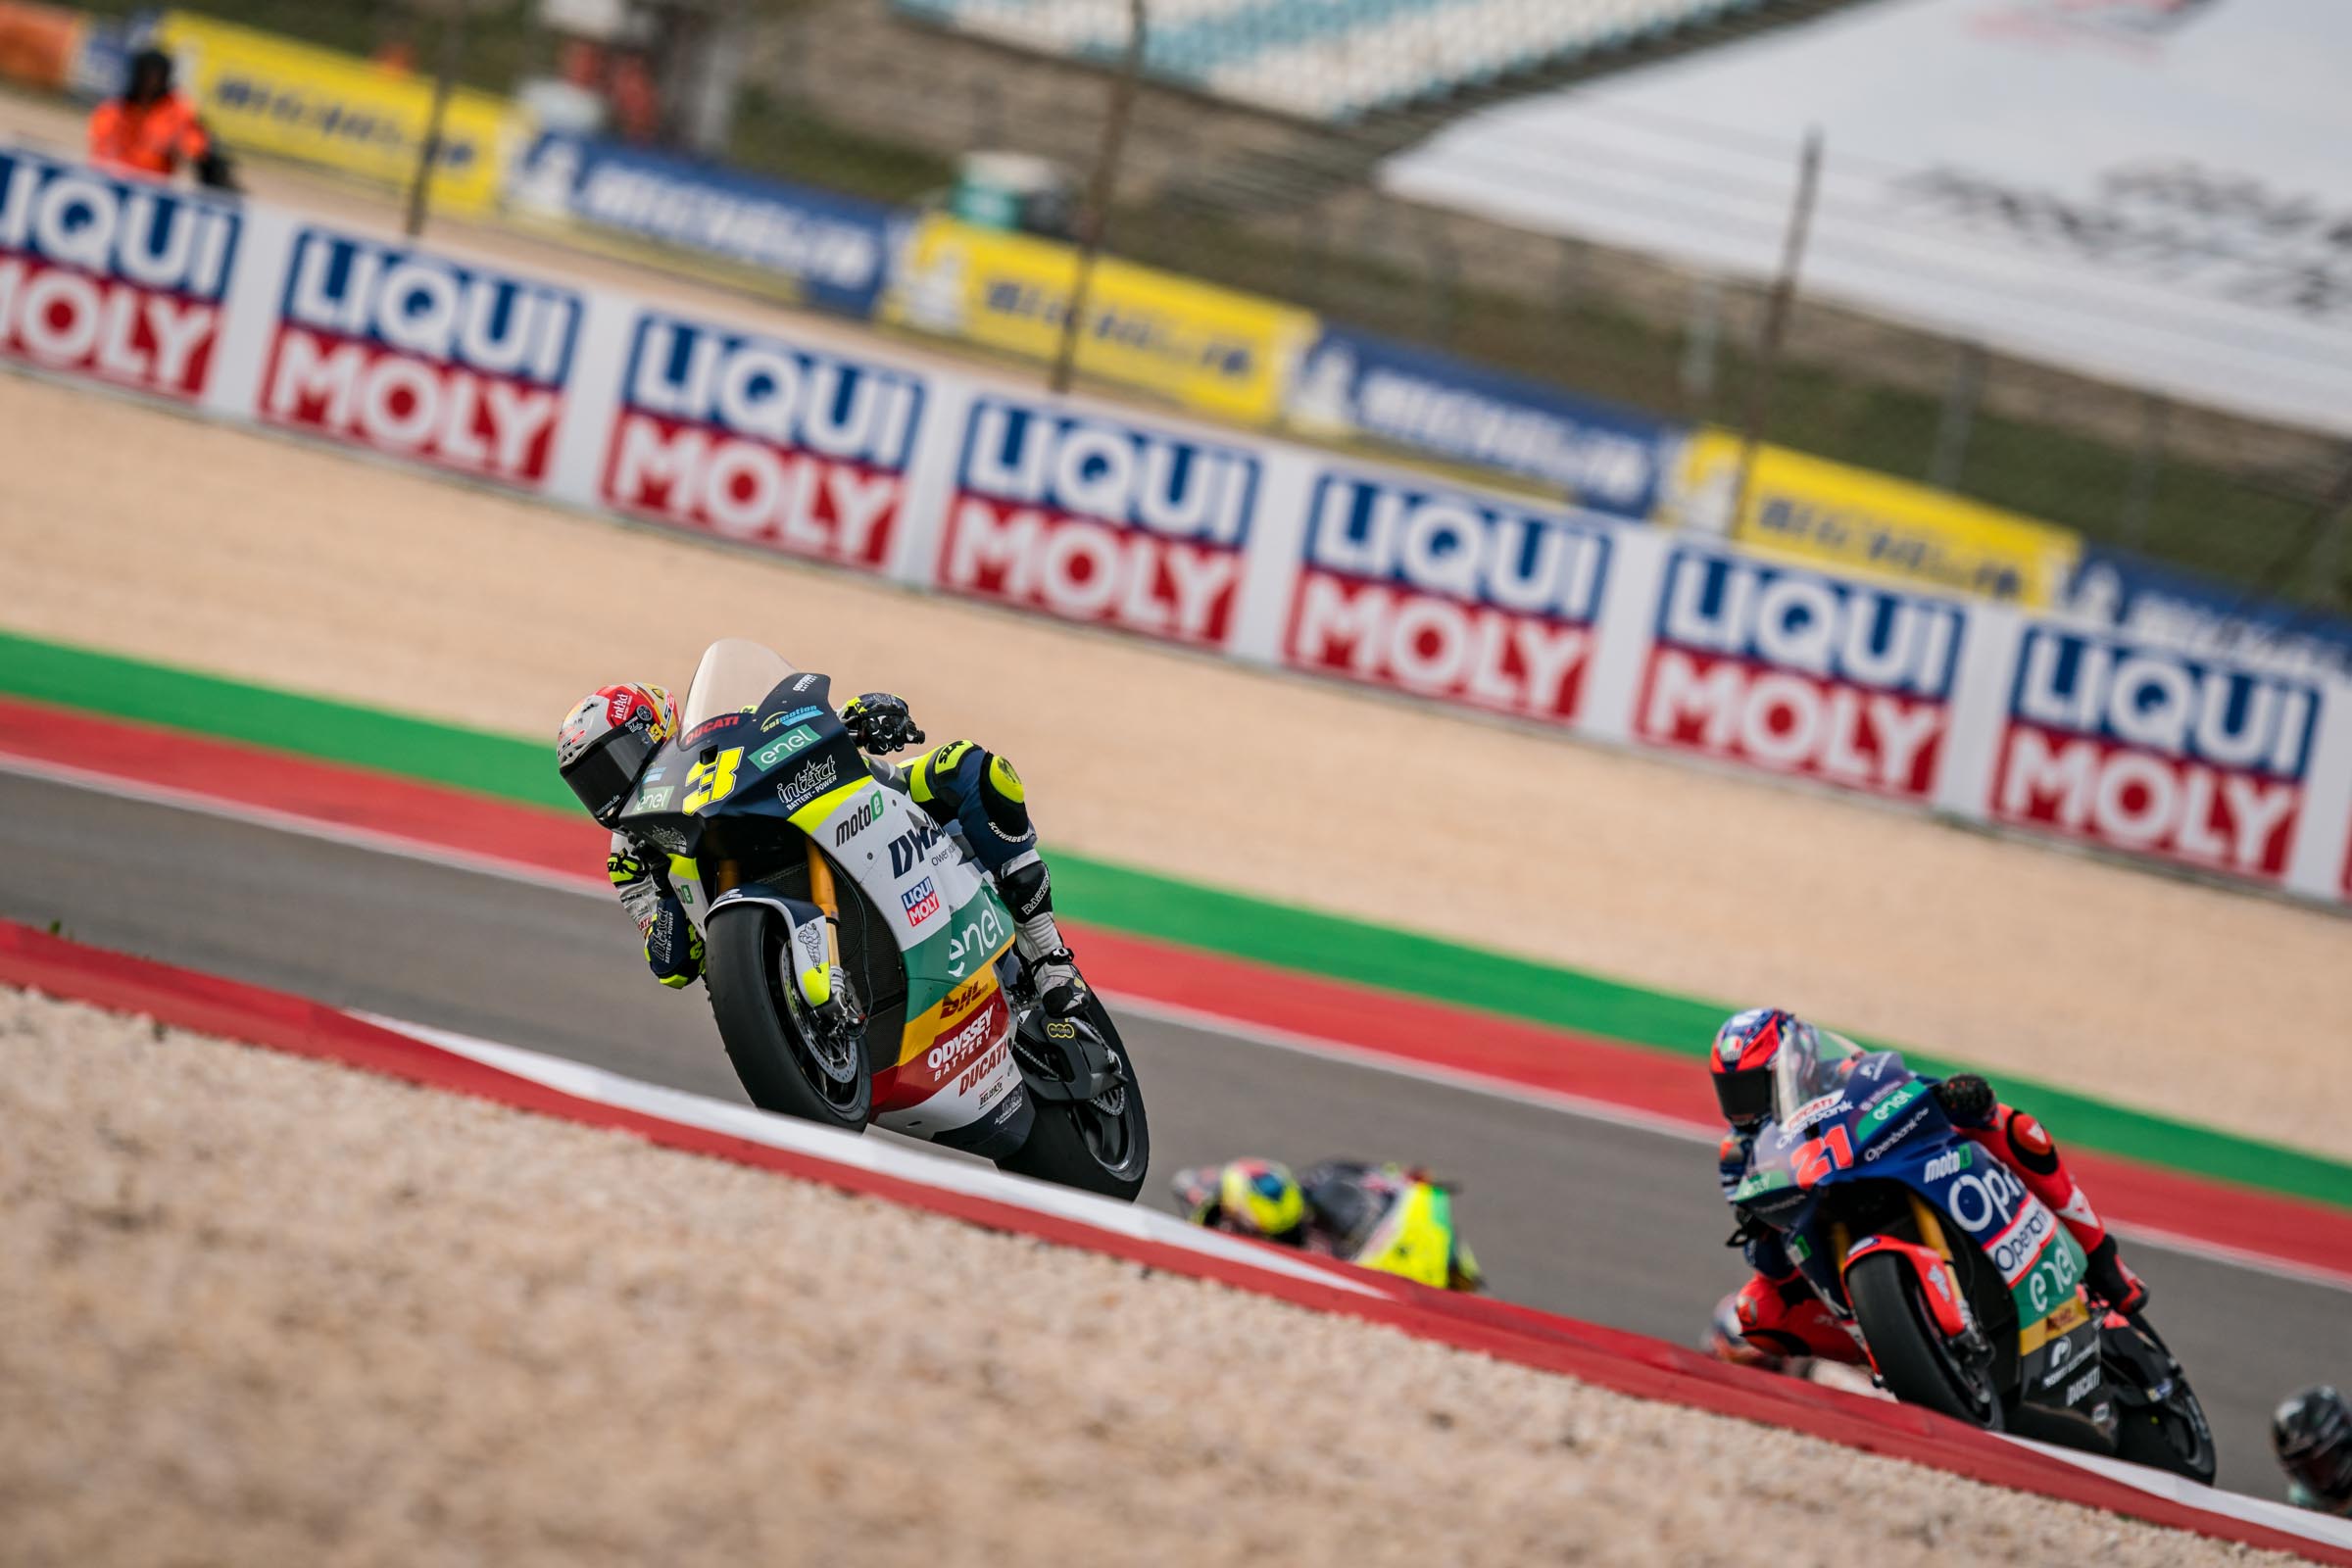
(784, 1065)
(1102, 1145)
(1914, 1360)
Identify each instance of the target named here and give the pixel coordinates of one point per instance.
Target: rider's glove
(880, 724)
(1967, 1099)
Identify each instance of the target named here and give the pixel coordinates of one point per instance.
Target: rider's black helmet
(1747, 1048)
(2312, 1434)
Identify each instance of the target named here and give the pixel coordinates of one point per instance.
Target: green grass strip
(1120, 898)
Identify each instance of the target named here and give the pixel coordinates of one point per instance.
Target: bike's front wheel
(786, 1062)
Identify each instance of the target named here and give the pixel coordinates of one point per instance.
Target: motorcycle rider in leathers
(1778, 1309)
(610, 737)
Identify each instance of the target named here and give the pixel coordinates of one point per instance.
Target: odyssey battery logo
(1099, 521)
(1446, 595)
(119, 280)
(2155, 753)
(424, 357)
(754, 439)
(1800, 673)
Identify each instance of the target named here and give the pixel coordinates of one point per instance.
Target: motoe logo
(1097, 522)
(1436, 593)
(117, 281)
(1800, 673)
(2154, 753)
(758, 440)
(424, 357)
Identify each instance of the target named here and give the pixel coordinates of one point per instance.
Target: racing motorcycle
(1966, 1289)
(860, 962)
(1393, 1218)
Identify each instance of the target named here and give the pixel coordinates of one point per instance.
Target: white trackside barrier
(1262, 549)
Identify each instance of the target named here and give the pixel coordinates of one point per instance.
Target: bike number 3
(1816, 1158)
(710, 781)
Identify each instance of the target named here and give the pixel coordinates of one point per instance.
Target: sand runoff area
(254, 1310)
(170, 539)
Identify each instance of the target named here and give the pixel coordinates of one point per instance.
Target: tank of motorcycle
(786, 756)
(1878, 1122)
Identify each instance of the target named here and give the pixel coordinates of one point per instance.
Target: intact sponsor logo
(1792, 671)
(1099, 521)
(819, 776)
(657, 799)
(420, 357)
(708, 726)
(921, 902)
(2080, 1389)
(1814, 1110)
(761, 441)
(2014, 1250)
(1902, 1131)
(1443, 594)
(1951, 1162)
(119, 280)
(2155, 753)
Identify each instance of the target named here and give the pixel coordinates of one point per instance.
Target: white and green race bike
(861, 964)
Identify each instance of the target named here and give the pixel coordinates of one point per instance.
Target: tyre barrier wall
(1263, 551)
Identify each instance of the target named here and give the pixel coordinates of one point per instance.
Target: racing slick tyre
(2169, 1434)
(1102, 1145)
(1913, 1359)
(785, 1066)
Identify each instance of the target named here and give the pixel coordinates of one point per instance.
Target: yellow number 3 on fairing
(714, 780)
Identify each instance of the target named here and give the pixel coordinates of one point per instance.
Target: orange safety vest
(146, 138)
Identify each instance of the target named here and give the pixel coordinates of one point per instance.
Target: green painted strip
(1122, 899)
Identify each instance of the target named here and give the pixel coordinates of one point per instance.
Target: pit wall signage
(412, 355)
(1098, 521)
(1446, 595)
(1795, 671)
(762, 442)
(112, 280)
(776, 442)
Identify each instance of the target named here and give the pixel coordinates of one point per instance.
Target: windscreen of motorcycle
(735, 676)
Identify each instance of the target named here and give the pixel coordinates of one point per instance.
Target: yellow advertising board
(265, 95)
(1830, 515)
(1210, 349)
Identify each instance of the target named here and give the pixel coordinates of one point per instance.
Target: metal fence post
(1952, 426)
(453, 43)
(2148, 454)
(1776, 321)
(1094, 222)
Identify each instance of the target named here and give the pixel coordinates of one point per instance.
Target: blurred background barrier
(1210, 348)
(1264, 550)
(1836, 515)
(824, 249)
(263, 93)
(39, 44)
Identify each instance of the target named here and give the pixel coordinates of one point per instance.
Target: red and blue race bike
(1966, 1289)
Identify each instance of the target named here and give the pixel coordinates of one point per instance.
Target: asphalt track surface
(1604, 1222)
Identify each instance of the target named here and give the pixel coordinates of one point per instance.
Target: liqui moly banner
(421, 357)
(759, 440)
(119, 280)
(1447, 595)
(1094, 519)
(2155, 753)
(1801, 674)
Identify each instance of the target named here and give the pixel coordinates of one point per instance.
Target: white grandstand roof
(2153, 191)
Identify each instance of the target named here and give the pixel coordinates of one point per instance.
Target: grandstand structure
(1333, 61)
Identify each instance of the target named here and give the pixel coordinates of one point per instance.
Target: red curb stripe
(1626, 1363)
(1350, 1018)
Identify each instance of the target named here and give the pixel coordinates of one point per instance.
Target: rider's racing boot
(2020, 1143)
(1785, 1318)
(1028, 890)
